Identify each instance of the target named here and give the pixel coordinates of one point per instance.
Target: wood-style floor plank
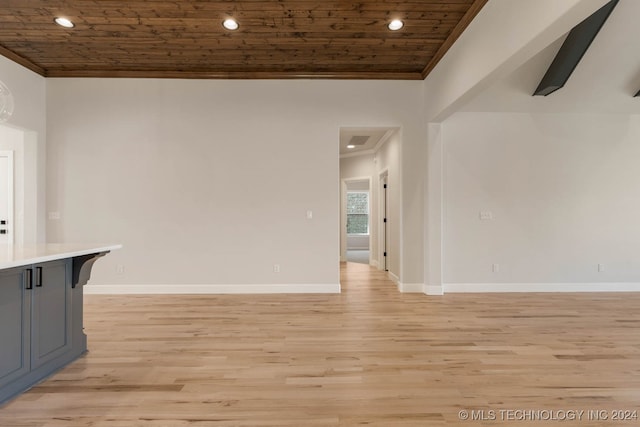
(368, 356)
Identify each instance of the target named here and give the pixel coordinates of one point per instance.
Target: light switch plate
(486, 215)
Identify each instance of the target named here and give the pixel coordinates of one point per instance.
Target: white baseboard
(395, 279)
(542, 287)
(411, 287)
(434, 290)
(373, 263)
(328, 288)
(335, 288)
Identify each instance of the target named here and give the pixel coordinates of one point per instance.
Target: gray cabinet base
(37, 375)
(74, 341)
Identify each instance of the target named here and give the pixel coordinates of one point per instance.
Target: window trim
(368, 193)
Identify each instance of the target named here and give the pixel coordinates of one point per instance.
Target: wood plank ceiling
(276, 39)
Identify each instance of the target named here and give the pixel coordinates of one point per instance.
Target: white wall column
(433, 211)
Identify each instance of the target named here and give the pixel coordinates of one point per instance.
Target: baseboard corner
(411, 287)
(434, 290)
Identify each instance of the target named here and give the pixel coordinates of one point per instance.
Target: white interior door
(6, 197)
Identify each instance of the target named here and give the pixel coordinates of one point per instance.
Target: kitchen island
(41, 310)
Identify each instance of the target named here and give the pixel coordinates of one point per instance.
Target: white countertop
(19, 255)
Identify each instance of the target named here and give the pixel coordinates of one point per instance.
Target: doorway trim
(383, 260)
(10, 195)
(343, 215)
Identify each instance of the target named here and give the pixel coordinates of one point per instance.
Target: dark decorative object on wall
(573, 49)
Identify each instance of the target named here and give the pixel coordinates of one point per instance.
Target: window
(357, 212)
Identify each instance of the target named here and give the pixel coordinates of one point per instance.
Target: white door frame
(383, 177)
(343, 216)
(10, 226)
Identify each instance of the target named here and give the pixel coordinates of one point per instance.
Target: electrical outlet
(54, 215)
(309, 214)
(495, 268)
(120, 269)
(600, 268)
(276, 268)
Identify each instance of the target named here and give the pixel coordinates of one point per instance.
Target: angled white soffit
(604, 82)
(502, 37)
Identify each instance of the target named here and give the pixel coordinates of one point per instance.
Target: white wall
(358, 242)
(29, 118)
(208, 182)
(411, 164)
(564, 193)
(494, 67)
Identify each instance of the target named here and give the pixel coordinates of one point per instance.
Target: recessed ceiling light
(395, 25)
(230, 24)
(351, 146)
(64, 22)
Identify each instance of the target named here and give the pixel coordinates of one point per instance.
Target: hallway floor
(358, 256)
(367, 356)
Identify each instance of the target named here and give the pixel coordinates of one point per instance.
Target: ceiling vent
(359, 140)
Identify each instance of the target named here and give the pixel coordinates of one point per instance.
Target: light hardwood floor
(367, 356)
